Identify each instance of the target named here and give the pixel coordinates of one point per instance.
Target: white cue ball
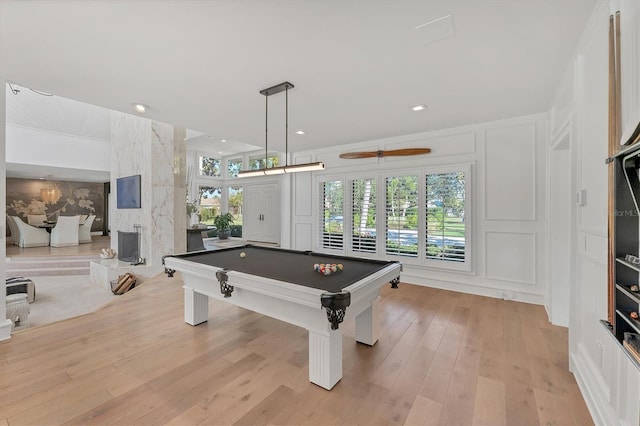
(243, 254)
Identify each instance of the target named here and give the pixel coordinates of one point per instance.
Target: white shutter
(445, 219)
(331, 215)
(402, 216)
(363, 215)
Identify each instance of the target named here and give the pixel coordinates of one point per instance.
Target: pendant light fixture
(306, 167)
(51, 193)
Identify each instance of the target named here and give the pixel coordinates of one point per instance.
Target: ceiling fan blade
(389, 153)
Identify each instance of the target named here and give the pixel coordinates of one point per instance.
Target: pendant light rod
(266, 129)
(286, 125)
(273, 90)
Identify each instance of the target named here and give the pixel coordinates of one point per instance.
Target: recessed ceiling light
(223, 140)
(419, 107)
(141, 108)
(301, 132)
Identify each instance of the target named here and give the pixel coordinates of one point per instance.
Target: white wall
(507, 205)
(34, 146)
(608, 380)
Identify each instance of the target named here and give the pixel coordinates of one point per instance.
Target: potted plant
(192, 213)
(223, 224)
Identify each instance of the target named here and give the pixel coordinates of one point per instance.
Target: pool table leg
(325, 358)
(367, 325)
(196, 307)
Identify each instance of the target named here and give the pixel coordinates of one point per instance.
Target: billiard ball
(243, 254)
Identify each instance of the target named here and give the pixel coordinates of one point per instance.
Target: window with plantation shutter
(402, 215)
(332, 217)
(363, 215)
(419, 216)
(445, 219)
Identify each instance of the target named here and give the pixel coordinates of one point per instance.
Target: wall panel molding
(510, 256)
(509, 181)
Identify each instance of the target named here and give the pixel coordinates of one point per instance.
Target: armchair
(30, 236)
(84, 231)
(65, 233)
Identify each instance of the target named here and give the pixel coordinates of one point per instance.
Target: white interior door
(262, 213)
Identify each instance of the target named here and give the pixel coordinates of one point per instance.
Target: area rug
(62, 297)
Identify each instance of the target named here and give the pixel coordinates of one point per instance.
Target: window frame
(320, 219)
(199, 156)
(381, 202)
(227, 161)
(469, 225)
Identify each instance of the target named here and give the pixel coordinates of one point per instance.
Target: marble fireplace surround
(157, 152)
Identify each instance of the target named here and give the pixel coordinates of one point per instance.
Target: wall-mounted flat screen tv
(128, 192)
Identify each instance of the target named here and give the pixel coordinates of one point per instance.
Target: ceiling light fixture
(306, 167)
(419, 107)
(51, 193)
(140, 108)
(301, 132)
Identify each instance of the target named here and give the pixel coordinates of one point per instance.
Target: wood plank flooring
(442, 358)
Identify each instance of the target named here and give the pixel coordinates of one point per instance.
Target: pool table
(283, 284)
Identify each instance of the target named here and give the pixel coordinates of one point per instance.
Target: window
(258, 162)
(402, 216)
(332, 218)
(445, 225)
(420, 216)
(234, 165)
(235, 208)
(363, 214)
(210, 203)
(209, 166)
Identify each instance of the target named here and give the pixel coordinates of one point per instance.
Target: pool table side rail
(361, 291)
(338, 258)
(295, 293)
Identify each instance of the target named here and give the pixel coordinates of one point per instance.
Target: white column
(196, 307)
(156, 151)
(325, 358)
(5, 324)
(367, 325)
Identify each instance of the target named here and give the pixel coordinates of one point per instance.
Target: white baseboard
(5, 329)
(495, 292)
(593, 388)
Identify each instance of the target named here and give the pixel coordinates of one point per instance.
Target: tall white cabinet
(261, 221)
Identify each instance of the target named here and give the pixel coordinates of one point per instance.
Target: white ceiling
(357, 66)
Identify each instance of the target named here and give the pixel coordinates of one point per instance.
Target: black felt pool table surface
(295, 267)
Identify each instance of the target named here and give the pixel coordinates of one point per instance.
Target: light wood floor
(98, 242)
(443, 358)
